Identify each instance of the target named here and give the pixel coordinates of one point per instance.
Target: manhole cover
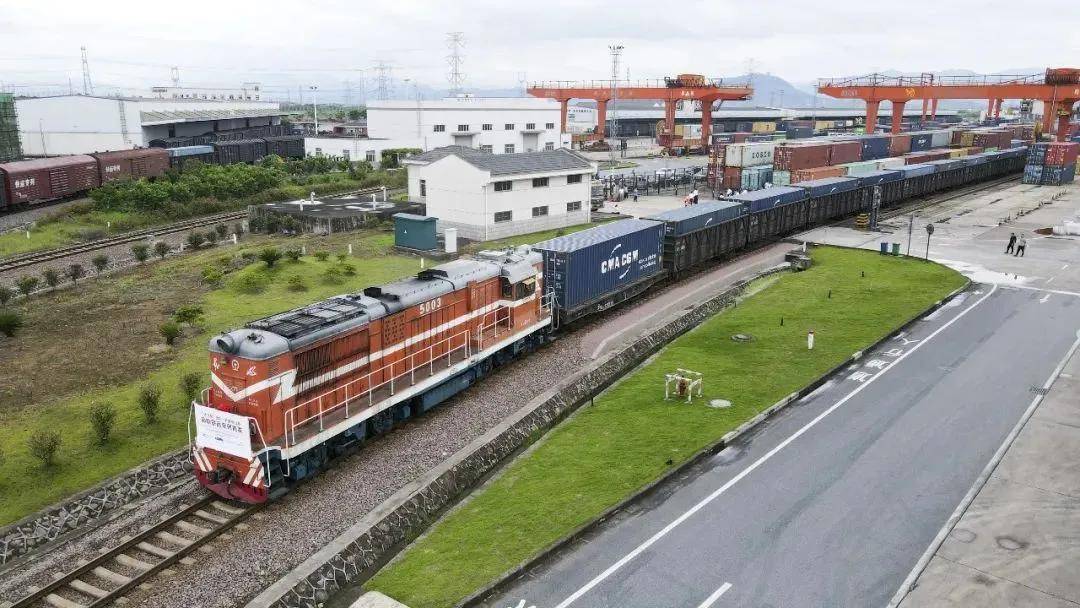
(742, 337)
(1038, 390)
(719, 403)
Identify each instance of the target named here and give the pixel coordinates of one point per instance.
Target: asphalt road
(832, 502)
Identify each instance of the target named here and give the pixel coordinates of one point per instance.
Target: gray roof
(156, 117)
(508, 164)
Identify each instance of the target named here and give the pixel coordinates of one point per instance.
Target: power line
(455, 41)
(384, 83)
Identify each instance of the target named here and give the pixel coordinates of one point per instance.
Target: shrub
(270, 255)
(293, 255)
(10, 322)
(195, 240)
(190, 314)
(211, 237)
(332, 276)
(170, 331)
(100, 261)
(249, 256)
(5, 295)
(43, 445)
(52, 277)
(102, 420)
(150, 402)
(141, 252)
(161, 249)
(322, 256)
(212, 276)
(349, 270)
(222, 230)
(190, 383)
(341, 257)
(250, 283)
(76, 272)
(297, 283)
(26, 284)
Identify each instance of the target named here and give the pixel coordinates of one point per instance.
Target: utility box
(415, 232)
(450, 239)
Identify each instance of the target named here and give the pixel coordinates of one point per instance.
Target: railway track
(114, 573)
(934, 200)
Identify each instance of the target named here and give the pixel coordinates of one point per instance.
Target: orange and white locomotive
(291, 391)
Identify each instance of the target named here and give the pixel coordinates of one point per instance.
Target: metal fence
(671, 181)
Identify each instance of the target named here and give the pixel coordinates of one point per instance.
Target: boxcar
(698, 234)
(239, 151)
(131, 164)
(46, 179)
(183, 154)
(285, 146)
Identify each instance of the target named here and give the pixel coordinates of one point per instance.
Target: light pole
(929, 231)
(315, 104)
(910, 227)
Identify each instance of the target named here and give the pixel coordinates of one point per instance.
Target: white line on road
(1057, 291)
(709, 601)
(757, 463)
(1065, 266)
(924, 561)
(1050, 280)
(1043, 299)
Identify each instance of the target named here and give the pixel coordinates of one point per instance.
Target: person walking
(1012, 243)
(1021, 245)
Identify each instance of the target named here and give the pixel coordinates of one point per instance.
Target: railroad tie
(187, 526)
(154, 550)
(112, 577)
(88, 589)
(210, 517)
(227, 508)
(62, 602)
(132, 562)
(173, 539)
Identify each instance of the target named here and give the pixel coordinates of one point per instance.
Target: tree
(190, 314)
(190, 384)
(52, 277)
(270, 255)
(211, 237)
(297, 283)
(150, 402)
(75, 272)
(5, 295)
(43, 445)
(161, 249)
(10, 322)
(100, 261)
(170, 331)
(141, 252)
(195, 240)
(102, 420)
(26, 284)
(355, 114)
(322, 256)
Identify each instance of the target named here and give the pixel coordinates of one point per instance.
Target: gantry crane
(685, 88)
(1058, 89)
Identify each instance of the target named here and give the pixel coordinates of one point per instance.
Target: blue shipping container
(588, 265)
(829, 185)
(768, 198)
(684, 220)
(874, 148)
(916, 170)
(1058, 176)
(189, 151)
(974, 159)
(755, 178)
(1037, 154)
(799, 132)
(876, 178)
(920, 142)
(946, 164)
(1033, 174)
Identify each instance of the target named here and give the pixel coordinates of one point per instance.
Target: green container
(896, 248)
(415, 232)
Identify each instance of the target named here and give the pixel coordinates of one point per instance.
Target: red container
(46, 179)
(845, 152)
(958, 137)
(1062, 76)
(732, 178)
(805, 175)
(899, 145)
(1062, 154)
(791, 157)
(132, 164)
(741, 136)
(924, 157)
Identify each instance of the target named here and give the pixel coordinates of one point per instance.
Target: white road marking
(757, 463)
(1057, 291)
(913, 576)
(709, 601)
(1043, 299)
(1050, 280)
(1065, 266)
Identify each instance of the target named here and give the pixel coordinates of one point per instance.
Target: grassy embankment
(624, 440)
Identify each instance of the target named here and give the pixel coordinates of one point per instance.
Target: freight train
(292, 391)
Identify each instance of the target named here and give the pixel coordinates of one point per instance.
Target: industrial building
(488, 196)
(80, 124)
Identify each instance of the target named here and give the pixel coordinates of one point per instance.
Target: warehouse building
(489, 196)
(80, 124)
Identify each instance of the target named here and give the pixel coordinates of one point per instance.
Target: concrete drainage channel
(356, 553)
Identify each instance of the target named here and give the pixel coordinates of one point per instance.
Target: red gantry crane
(1058, 89)
(684, 87)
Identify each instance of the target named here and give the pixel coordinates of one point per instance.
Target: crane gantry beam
(1058, 99)
(686, 87)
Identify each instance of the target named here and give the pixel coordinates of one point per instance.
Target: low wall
(353, 556)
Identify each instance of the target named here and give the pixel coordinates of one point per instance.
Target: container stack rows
(1051, 164)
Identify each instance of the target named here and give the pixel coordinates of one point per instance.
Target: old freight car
(131, 164)
(47, 179)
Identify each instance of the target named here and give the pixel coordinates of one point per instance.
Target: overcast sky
(324, 42)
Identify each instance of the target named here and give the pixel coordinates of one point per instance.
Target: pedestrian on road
(635, 194)
(1021, 245)
(1012, 243)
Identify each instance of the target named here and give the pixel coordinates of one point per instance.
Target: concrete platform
(374, 599)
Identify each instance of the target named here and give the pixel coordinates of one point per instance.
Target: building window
(345, 154)
(486, 126)
(318, 151)
(440, 128)
(369, 156)
(509, 126)
(574, 206)
(486, 148)
(530, 125)
(573, 179)
(549, 125)
(549, 146)
(423, 187)
(508, 148)
(540, 211)
(504, 186)
(503, 216)
(540, 182)
(462, 128)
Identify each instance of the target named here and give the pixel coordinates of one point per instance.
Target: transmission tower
(523, 83)
(616, 54)
(383, 80)
(87, 85)
(176, 76)
(455, 41)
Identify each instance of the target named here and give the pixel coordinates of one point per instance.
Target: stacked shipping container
(1051, 164)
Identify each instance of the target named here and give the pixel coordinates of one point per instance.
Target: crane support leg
(897, 115)
(706, 123)
(924, 104)
(871, 116)
(563, 106)
(1048, 115)
(997, 108)
(933, 109)
(601, 118)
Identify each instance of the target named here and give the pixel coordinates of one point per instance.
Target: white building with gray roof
(490, 196)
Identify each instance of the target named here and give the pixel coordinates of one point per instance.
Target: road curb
(746, 427)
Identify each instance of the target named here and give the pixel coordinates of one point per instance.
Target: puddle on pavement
(980, 274)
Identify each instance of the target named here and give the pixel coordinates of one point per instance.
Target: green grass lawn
(624, 440)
